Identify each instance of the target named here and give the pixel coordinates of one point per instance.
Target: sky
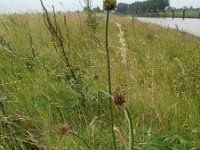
(71, 5)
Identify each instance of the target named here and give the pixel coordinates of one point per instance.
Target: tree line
(143, 7)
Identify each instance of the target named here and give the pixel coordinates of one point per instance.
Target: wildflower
(109, 4)
(119, 97)
(64, 129)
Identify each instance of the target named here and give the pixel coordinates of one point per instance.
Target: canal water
(188, 24)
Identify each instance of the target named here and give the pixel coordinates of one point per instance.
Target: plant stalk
(76, 135)
(109, 81)
(131, 141)
(3, 110)
(55, 31)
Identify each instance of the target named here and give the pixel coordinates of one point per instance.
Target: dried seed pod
(109, 4)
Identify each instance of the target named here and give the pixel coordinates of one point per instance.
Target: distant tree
(165, 4)
(97, 9)
(88, 6)
(122, 8)
(146, 6)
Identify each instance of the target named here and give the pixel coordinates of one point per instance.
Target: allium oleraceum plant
(119, 99)
(109, 5)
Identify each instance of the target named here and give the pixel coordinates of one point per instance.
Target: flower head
(64, 129)
(109, 4)
(119, 97)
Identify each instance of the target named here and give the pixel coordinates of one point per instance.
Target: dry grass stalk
(123, 49)
(56, 33)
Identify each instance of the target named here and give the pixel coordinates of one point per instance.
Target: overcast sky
(34, 5)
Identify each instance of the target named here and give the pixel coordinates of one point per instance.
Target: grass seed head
(109, 4)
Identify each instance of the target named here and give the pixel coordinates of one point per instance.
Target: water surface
(188, 25)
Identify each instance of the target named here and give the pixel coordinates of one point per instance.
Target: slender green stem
(76, 135)
(3, 110)
(109, 81)
(131, 141)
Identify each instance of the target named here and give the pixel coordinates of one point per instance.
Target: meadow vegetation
(39, 95)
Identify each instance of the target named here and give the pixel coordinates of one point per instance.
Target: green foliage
(162, 91)
(92, 19)
(160, 142)
(3, 98)
(97, 9)
(146, 6)
(122, 8)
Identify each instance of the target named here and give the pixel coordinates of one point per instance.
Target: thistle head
(109, 4)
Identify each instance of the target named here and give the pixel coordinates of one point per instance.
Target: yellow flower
(109, 4)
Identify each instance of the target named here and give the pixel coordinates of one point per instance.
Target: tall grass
(162, 93)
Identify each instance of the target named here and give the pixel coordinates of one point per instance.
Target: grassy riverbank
(161, 81)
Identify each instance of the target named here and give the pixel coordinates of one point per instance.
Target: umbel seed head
(109, 4)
